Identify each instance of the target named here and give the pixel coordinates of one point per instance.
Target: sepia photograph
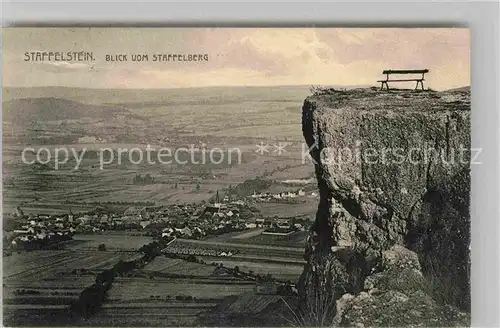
(236, 177)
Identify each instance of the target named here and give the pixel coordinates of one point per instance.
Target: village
(186, 221)
(289, 195)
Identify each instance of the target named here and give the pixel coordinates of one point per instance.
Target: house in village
(27, 231)
(184, 231)
(144, 223)
(283, 224)
(167, 232)
(260, 222)
(251, 224)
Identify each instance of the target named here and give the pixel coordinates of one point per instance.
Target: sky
(237, 56)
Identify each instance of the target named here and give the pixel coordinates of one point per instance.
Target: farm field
(262, 259)
(20, 262)
(127, 289)
(285, 210)
(55, 192)
(281, 270)
(141, 315)
(161, 263)
(112, 242)
(297, 239)
(56, 269)
(230, 236)
(48, 281)
(179, 267)
(238, 246)
(26, 266)
(149, 299)
(202, 247)
(38, 316)
(250, 303)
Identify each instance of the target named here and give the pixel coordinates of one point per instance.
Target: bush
(318, 90)
(90, 300)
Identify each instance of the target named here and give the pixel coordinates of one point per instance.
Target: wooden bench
(419, 80)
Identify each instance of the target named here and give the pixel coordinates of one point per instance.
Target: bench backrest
(405, 71)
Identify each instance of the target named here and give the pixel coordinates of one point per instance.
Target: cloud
(398, 47)
(67, 65)
(453, 74)
(62, 66)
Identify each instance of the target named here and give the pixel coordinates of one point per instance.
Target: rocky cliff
(392, 169)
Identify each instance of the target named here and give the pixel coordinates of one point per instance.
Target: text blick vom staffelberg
(84, 56)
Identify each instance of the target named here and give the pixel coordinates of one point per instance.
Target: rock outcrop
(396, 295)
(392, 169)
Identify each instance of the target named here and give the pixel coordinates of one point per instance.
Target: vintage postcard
(236, 177)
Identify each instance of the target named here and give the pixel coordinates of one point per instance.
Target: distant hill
(153, 97)
(466, 88)
(52, 109)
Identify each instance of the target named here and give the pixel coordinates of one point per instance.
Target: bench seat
(401, 80)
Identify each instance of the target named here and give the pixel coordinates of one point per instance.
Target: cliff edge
(392, 169)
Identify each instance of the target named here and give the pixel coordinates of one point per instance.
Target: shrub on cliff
(319, 90)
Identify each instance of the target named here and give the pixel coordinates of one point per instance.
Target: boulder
(397, 296)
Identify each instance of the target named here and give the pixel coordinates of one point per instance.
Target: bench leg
(421, 85)
(382, 85)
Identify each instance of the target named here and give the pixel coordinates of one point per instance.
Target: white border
(481, 17)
